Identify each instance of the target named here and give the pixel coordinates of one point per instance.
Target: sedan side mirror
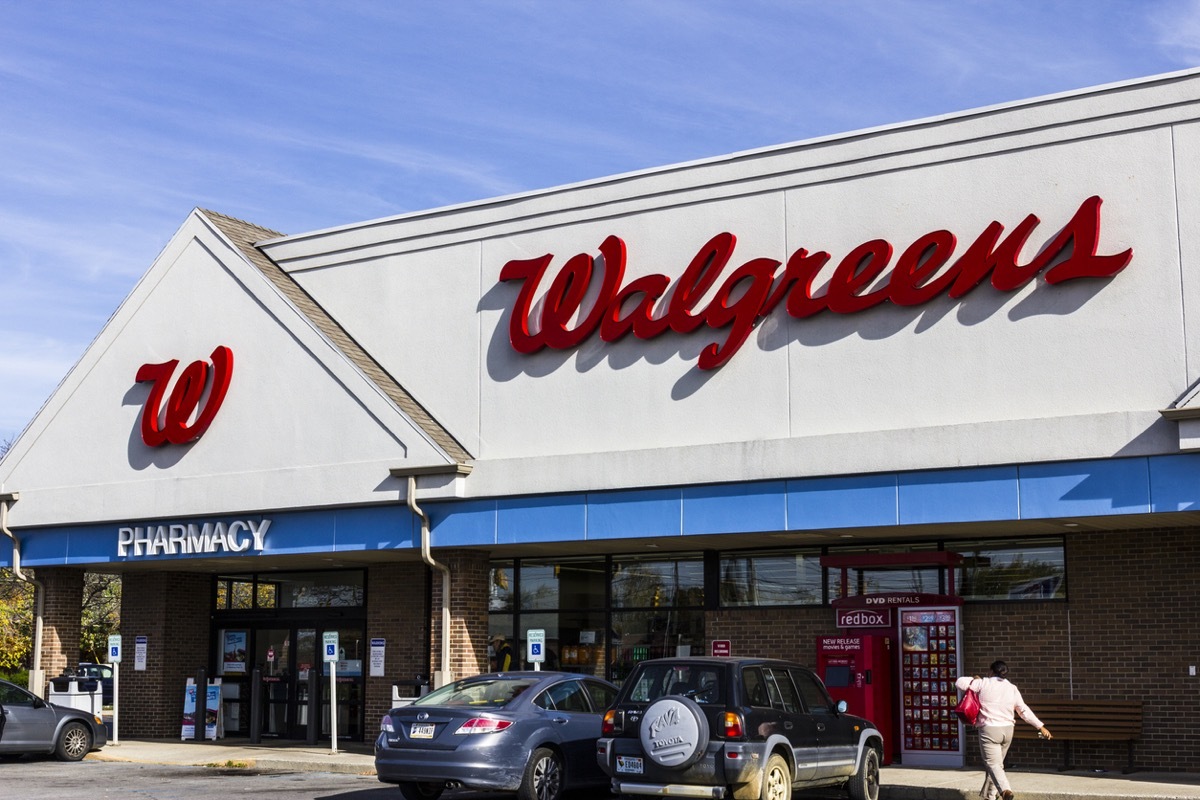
(38, 702)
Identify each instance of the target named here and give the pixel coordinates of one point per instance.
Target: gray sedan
(28, 724)
(533, 733)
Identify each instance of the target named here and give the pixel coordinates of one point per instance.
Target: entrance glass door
(272, 649)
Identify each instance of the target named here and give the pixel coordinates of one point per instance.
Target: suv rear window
(701, 682)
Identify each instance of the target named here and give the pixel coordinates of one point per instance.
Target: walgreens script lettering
(755, 289)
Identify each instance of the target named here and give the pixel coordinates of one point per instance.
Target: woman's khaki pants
(993, 746)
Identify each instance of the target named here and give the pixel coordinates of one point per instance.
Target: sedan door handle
(560, 720)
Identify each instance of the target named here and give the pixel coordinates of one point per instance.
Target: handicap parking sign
(330, 640)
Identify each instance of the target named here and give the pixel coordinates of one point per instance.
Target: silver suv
(741, 728)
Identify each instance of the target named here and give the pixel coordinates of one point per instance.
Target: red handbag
(968, 707)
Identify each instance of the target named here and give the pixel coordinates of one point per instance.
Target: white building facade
(638, 412)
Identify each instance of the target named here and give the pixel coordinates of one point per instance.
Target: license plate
(421, 730)
(629, 765)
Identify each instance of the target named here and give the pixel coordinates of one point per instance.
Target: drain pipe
(445, 674)
(36, 681)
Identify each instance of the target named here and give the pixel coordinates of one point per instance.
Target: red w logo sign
(171, 424)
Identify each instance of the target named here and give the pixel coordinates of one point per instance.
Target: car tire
(74, 742)
(545, 778)
(865, 783)
(421, 791)
(674, 732)
(776, 779)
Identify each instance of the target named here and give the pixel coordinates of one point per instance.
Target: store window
(899, 579)
(600, 615)
(772, 578)
(1031, 569)
(284, 590)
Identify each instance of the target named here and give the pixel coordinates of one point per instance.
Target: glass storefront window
(658, 633)
(500, 586)
(647, 582)
(771, 578)
(880, 580)
(562, 583)
(1032, 569)
(317, 589)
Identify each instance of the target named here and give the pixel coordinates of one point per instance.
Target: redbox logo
(652, 305)
(182, 420)
(864, 618)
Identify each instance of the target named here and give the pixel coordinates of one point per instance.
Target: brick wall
(1130, 630)
(171, 609)
(468, 611)
(62, 610)
(398, 612)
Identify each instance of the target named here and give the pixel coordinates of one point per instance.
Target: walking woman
(999, 704)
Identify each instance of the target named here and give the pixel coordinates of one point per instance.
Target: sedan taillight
(385, 724)
(482, 725)
(733, 726)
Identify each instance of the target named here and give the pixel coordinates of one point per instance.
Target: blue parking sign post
(114, 658)
(329, 641)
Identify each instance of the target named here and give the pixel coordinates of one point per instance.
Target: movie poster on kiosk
(929, 648)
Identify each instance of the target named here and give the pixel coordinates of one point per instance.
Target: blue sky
(118, 118)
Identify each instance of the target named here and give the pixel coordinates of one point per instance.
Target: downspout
(36, 684)
(445, 674)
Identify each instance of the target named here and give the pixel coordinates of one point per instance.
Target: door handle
(821, 727)
(787, 726)
(560, 720)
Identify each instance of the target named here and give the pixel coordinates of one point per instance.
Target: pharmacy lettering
(191, 538)
(651, 305)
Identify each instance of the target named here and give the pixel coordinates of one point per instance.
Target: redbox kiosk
(857, 668)
(921, 635)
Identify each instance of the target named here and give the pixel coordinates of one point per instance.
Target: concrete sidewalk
(898, 783)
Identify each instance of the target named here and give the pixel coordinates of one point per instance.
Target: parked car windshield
(701, 682)
(493, 692)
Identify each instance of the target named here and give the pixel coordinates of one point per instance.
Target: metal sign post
(114, 658)
(330, 641)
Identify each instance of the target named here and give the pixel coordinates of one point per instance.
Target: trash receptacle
(74, 692)
(404, 692)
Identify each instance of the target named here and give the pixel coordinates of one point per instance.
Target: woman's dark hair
(999, 669)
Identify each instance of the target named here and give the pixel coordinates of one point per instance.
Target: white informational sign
(535, 642)
(377, 662)
(329, 647)
(114, 649)
(140, 644)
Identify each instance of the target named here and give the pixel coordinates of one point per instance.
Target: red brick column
(468, 611)
(171, 609)
(61, 620)
(397, 612)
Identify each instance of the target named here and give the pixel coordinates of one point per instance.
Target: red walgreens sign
(651, 305)
(175, 423)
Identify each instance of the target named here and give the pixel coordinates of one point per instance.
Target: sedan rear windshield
(702, 683)
(486, 693)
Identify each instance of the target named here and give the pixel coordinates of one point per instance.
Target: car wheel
(544, 776)
(74, 742)
(865, 783)
(777, 779)
(674, 732)
(421, 791)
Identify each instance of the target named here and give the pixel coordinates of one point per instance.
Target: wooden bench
(1086, 721)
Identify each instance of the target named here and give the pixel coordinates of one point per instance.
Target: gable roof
(245, 236)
